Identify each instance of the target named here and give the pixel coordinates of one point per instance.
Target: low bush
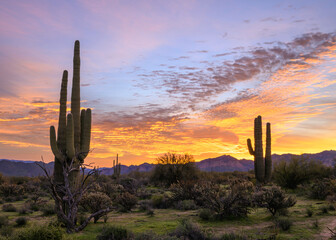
(324, 209)
(309, 212)
(273, 199)
(48, 209)
(39, 233)
(21, 221)
(3, 221)
(284, 223)
(205, 214)
(232, 236)
(114, 233)
(126, 201)
(161, 201)
(186, 205)
(6, 231)
(8, 208)
(190, 230)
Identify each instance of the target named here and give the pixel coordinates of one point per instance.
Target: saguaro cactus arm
(268, 154)
(250, 148)
(53, 144)
(86, 119)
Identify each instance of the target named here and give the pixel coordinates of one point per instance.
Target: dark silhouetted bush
(273, 199)
(126, 201)
(8, 208)
(21, 221)
(284, 223)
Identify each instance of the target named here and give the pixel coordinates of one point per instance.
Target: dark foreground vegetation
(176, 201)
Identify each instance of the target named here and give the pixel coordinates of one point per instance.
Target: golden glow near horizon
(189, 83)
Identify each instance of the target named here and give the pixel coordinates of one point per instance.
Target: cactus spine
(116, 168)
(262, 167)
(74, 129)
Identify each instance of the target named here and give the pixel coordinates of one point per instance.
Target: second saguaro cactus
(262, 167)
(74, 129)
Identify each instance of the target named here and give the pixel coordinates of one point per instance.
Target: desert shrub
(39, 233)
(11, 190)
(233, 201)
(153, 236)
(172, 168)
(150, 212)
(186, 205)
(232, 236)
(297, 171)
(8, 208)
(81, 218)
(24, 210)
(321, 188)
(129, 184)
(93, 202)
(126, 201)
(145, 205)
(144, 193)
(331, 207)
(309, 212)
(284, 223)
(205, 214)
(6, 232)
(21, 221)
(48, 209)
(184, 190)
(190, 230)
(273, 199)
(332, 198)
(324, 209)
(114, 233)
(3, 221)
(161, 201)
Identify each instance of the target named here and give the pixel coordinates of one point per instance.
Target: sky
(182, 76)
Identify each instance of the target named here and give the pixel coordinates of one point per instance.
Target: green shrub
(3, 221)
(48, 209)
(284, 223)
(324, 209)
(205, 214)
(232, 236)
(186, 205)
(273, 199)
(21, 221)
(114, 233)
(297, 171)
(309, 212)
(322, 188)
(93, 202)
(161, 201)
(6, 231)
(8, 208)
(126, 201)
(190, 230)
(39, 233)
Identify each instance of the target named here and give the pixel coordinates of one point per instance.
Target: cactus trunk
(268, 154)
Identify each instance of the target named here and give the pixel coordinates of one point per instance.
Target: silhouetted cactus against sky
(262, 167)
(74, 129)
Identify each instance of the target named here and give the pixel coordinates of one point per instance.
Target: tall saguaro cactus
(262, 167)
(74, 129)
(116, 168)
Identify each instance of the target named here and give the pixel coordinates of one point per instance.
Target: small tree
(67, 196)
(173, 167)
(273, 199)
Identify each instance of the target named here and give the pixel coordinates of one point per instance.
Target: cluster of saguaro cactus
(74, 130)
(262, 167)
(116, 167)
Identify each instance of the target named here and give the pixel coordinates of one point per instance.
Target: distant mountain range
(225, 163)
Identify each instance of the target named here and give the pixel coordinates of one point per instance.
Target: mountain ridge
(224, 163)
